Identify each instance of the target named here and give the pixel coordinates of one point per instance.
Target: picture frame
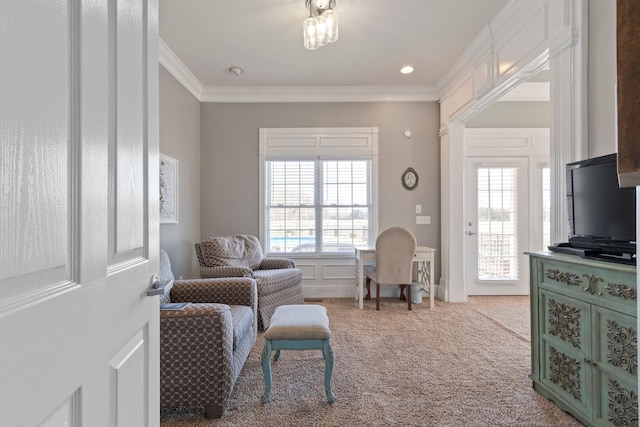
(168, 190)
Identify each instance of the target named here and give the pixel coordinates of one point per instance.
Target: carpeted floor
(455, 365)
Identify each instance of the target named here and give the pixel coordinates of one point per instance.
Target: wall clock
(409, 179)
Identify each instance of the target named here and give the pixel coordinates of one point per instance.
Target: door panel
(497, 226)
(78, 221)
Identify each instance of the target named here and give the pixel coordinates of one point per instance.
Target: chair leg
(368, 296)
(409, 295)
(214, 411)
(377, 296)
(402, 297)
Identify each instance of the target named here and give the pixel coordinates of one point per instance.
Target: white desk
(424, 256)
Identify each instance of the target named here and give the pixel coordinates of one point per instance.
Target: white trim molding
(319, 94)
(177, 69)
(525, 37)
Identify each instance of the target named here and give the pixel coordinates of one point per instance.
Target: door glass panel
(497, 225)
(546, 207)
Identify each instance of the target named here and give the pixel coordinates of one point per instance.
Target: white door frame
(519, 285)
(517, 43)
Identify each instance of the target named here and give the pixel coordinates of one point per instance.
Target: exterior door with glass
(497, 226)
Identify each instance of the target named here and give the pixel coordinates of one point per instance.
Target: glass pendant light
(310, 30)
(331, 25)
(321, 27)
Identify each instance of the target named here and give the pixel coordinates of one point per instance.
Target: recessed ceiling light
(407, 69)
(236, 70)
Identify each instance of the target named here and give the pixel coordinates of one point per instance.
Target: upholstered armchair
(204, 346)
(278, 281)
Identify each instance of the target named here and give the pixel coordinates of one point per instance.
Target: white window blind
(320, 206)
(546, 207)
(497, 224)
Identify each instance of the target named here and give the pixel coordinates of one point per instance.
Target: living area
(216, 144)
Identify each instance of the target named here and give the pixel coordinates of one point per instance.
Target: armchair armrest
(273, 263)
(217, 272)
(199, 332)
(229, 290)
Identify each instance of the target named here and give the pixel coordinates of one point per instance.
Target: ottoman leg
(327, 352)
(266, 370)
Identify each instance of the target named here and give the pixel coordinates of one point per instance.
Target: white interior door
(78, 213)
(497, 226)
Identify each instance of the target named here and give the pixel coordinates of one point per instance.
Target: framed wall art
(168, 190)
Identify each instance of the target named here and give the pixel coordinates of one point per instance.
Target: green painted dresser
(584, 337)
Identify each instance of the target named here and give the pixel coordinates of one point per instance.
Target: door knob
(159, 287)
(470, 233)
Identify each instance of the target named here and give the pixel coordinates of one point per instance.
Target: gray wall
(513, 115)
(180, 139)
(230, 160)
(602, 77)
(229, 151)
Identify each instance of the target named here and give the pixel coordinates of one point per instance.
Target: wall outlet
(418, 209)
(420, 219)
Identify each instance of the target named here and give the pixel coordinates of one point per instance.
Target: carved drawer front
(566, 347)
(566, 321)
(617, 285)
(566, 373)
(617, 360)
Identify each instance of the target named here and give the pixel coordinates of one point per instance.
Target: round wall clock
(409, 179)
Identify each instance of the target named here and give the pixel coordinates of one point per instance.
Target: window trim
(318, 144)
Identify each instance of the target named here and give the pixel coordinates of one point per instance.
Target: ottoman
(298, 327)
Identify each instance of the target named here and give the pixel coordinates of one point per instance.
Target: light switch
(418, 209)
(420, 219)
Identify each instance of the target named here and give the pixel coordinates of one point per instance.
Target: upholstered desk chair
(395, 249)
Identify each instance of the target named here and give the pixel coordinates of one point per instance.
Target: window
(546, 207)
(318, 190)
(497, 224)
(317, 206)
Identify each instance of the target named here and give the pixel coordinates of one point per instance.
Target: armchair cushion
(243, 323)
(241, 250)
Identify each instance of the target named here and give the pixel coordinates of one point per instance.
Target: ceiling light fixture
(321, 27)
(407, 69)
(236, 70)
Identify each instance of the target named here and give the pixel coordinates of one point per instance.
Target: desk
(424, 257)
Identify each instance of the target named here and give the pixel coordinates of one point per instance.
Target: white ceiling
(377, 37)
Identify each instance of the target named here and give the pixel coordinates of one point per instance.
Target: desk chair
(395, 249)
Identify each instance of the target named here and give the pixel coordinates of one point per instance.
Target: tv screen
(598, 208)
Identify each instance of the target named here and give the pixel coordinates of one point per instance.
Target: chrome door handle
(470, 233)
(159, 287)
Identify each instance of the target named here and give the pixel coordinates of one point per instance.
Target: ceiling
(377, 38)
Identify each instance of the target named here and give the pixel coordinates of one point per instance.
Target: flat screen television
(602, 216)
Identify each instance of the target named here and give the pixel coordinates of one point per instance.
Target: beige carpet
(455, 365)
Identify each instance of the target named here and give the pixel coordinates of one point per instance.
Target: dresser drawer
(606, 286)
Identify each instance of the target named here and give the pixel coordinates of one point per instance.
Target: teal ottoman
(298, 327)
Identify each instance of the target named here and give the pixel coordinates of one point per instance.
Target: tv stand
(584, 337)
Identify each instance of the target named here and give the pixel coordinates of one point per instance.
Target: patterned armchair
(279, 282)
(204, 346)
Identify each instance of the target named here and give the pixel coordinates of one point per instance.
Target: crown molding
(319, 94)
(170, 61)
(177, 69)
